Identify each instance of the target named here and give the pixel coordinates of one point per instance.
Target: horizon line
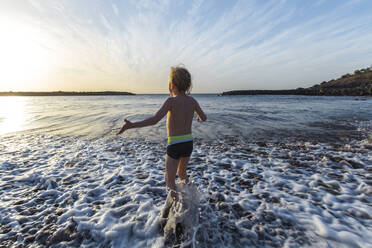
(108, 92)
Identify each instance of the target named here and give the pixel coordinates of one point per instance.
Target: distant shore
(66, 93)
(305, 92)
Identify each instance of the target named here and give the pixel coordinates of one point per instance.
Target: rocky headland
(357, 84)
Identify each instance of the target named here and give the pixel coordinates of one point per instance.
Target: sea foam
(72, 191)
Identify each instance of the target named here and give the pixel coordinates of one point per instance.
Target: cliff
(357, 84)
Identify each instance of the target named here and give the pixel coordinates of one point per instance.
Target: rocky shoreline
(357, 84)
(361, 90)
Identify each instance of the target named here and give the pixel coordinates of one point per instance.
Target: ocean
(268, 171)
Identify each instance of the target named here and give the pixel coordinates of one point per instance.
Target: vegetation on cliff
(357, 84)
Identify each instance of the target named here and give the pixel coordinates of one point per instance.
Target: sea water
(266, 171)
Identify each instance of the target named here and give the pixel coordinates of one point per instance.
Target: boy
(180, 109)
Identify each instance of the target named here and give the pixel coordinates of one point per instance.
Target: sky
(91, 45)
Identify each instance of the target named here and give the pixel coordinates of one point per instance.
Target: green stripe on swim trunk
(179, 138)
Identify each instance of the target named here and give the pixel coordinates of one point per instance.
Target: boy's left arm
(149, 121)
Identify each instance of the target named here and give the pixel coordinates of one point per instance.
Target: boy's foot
(185, 181)
(168, 204)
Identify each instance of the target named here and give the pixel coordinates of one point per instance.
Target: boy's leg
(170, 173)
(182, 165)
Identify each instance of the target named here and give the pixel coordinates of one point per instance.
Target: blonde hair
(181, 78)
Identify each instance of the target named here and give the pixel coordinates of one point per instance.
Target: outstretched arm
(149, 121)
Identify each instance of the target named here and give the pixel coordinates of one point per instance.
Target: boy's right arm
(199, 112)
(149, 121)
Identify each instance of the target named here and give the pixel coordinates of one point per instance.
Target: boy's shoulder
(191, 98)
(174, 100)
(169, 100)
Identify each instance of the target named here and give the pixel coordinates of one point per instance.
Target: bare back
(180, 115)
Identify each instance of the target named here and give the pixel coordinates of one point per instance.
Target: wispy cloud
(226, 45)
(116, 10)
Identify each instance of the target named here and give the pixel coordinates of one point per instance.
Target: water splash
(180, 216)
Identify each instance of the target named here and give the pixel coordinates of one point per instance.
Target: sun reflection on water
(12, 114)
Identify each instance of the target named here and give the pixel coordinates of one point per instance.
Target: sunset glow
(23, 61)
(130, 45)
(12, 114)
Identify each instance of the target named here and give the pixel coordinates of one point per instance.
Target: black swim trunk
(180, 150)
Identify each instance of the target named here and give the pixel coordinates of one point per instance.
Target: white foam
(111, 192)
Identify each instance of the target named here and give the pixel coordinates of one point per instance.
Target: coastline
(303, 92)
(357, 84)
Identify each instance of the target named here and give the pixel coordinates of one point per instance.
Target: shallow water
(250, 117)
(65, 180)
